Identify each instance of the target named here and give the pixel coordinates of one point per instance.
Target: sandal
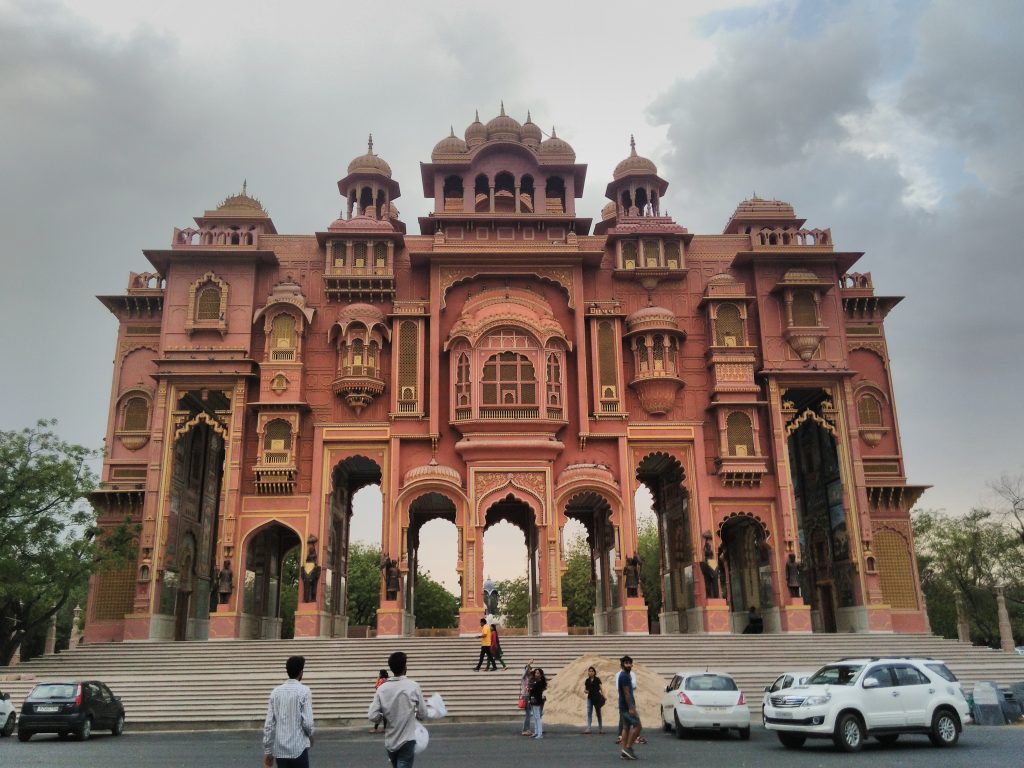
(641, 740)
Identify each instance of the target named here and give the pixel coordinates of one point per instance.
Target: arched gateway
(511, 363)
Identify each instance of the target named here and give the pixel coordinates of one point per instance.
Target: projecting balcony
(359, 385)
(520, 418)
(275, 472)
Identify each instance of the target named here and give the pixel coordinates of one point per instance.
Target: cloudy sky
(897, 124)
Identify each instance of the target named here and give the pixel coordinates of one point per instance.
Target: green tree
(436, 607)
(48, 536)
(513, 601)
(289, 593)
(648, 548)
(578, 584)
(363, 583)
(969, 555)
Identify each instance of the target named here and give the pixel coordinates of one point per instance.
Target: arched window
(554, 386)
(629, 254)
(481, 194)
(728, 326)
(282, 337)
(509, 379)
(136, 415)
(504, 193)
(208, 303)
(651, 254)
(278, 436)
(526, 194)
(869, 411)
(641, 200)
(804, 312)
(606, 361)
(659, 353)
(673, 258)
(453, 193)
(365, 199)
(359, 256)
(356, 351)
(740, 434)
(554, 191)
(463, 382)
(371, 357)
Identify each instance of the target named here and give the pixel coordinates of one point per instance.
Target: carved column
(963, 625)
(51, 636)
(1005, 630)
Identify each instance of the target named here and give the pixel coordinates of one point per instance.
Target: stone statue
(708, 569)
(793, 576)
(225, 582)
(389, 567)
(310, 571)
(491, 597)
(631, 574)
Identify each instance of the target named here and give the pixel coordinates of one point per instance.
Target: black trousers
(302, 761)
(485, 653)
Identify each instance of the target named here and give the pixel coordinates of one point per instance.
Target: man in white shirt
(288, 730)
(399, 701)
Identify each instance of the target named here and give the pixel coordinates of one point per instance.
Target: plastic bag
(422, 738)
(435, 707)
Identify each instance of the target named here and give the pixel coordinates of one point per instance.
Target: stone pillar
(51, 636)
(963, 625)
(1005, 630)
(76, 628)
(15, 657)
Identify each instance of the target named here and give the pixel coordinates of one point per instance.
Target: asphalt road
(498, 745)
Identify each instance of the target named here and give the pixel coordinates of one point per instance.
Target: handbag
(522, 702)
(600, 700)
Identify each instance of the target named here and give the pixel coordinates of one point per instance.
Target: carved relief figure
(708, 568)
(225, 582)
(631, 574)
(793, 576)
(310, 572)
(389, 569)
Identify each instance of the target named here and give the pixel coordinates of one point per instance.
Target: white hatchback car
(704, 700)
(8, 718)
(853, 699)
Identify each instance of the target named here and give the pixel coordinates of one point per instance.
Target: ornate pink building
(510, 362)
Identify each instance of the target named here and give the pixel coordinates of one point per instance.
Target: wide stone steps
(226, 683)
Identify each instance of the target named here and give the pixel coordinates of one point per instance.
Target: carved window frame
(192, 324)
(133, 439)
(268, 333)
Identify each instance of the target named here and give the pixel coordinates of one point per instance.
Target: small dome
(242, 204)
(476, 133)
(504, 127)
(608, 211)
(800, 275)
(634, 164)
(556, 147)
(370, 163)
(433, 471)
(363, 222)
(449, 145)
(531, 132)
(652, 317)
(761, 208)
(367, 314)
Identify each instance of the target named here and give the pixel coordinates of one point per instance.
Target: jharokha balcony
(358, 384)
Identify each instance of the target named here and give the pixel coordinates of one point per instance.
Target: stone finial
(476, 115)
(502, 107)
(452, 134)
(554, 133)
(369, 145)
(528, 118)
(245, 183)
(632, 146)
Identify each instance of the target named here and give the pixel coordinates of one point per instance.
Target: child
(382, 677)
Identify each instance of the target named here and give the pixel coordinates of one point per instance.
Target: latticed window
(282, 337)
(554, 385)
(278, 436)
(869, 411)
(894, 569)
(208, 303)
(371, 356)
(380, 255)
(407, 360)
(509, 379)
(740, 434)
(659, 353)
(728, 326)
(629, 254)
(359, 255)
(650, 253)
(115, 590)
(463, 383)
(606, 361)
(136, 414)
(339, 255)
(357, 354)
(673, 256)
(804, 312)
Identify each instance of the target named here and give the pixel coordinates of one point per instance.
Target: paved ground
(498, 745)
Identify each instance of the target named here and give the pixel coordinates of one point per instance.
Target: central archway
(518, 513)
(593, 513)
(265, 551)
(424, 510)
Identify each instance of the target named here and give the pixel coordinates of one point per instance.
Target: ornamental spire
(502, 107)
(632, 146)
(369, 145)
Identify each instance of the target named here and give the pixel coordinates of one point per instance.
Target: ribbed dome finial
(503, 108)
(369, 145)
(632, 146)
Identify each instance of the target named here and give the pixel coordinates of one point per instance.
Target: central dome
(504, 127)
(370, 163)
(634, 164)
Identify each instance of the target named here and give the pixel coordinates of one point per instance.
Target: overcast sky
(897, 124)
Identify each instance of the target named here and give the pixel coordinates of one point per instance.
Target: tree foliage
(513, 601)
(48, 536)
(969, 555)
(363, 583)
(436, 607)
(650, 580)
(289, 593)
(578, 583)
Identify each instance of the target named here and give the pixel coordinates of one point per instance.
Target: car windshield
(941, 670)
(836, 674)
(709, 683)
(53, 691)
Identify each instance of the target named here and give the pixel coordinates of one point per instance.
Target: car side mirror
(668, 689)
(767, 689)
(871, 682)
(7, 697)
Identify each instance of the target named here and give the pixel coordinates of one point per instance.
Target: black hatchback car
(70, 708)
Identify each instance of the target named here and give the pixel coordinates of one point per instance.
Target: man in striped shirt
(288, 730)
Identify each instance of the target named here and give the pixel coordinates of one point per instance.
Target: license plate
(784, 715)
(715, 709)
(46, 708)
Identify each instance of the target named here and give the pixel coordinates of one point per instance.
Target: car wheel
(888, 739)
(745, 733)
(24, 735)
(85, 730)
(791, 740)
(8, 728)
(665, 725)
(945, 730)
(118, 728)
(681, 732)
(849, 734)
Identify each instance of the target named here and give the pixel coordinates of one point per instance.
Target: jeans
(591, 706)
(302, 761)
(538, 726)
(403, 756)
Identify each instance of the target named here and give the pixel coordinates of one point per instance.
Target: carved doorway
(512, 511)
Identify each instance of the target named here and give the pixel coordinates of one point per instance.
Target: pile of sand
(567, 705)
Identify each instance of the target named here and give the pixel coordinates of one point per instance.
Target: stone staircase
(225, 683)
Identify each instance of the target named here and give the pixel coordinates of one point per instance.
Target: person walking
(496, 653)
(485, 647)
(627, 708)
(288, 729)
(398, 702)
(595, 699)
(524, 696)
(382, 677)
(538, 684)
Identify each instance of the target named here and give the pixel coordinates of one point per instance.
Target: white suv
(852, 699)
